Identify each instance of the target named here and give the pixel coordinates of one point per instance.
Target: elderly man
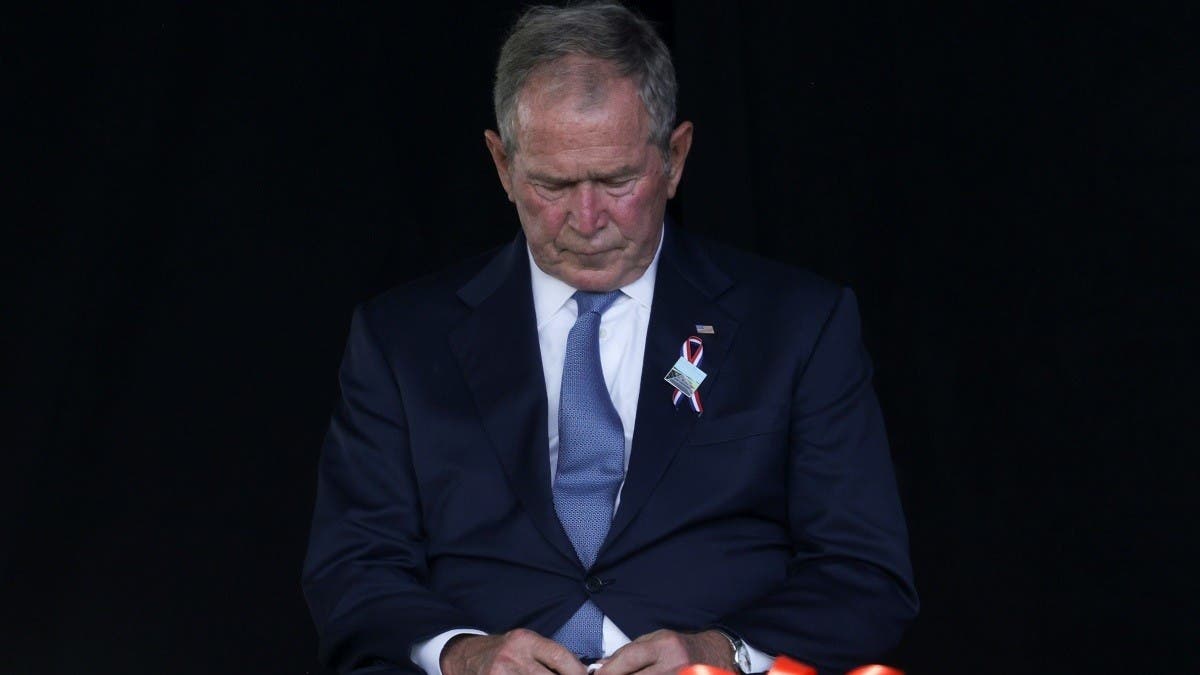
(608, 429)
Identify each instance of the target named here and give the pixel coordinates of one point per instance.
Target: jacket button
(593, 584)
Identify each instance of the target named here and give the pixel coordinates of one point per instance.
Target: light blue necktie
(591, 460)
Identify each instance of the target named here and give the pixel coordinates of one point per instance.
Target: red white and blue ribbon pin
(686, 375)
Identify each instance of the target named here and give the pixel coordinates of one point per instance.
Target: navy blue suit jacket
(774, 514)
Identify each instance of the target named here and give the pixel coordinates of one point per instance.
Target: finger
(662, 652)
(538, 668)
(557, 658)
(524, 666)
(631, 658)
(517, 655)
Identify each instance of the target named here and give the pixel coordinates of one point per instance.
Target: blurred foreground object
(785, 666)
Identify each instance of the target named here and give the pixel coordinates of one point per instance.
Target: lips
(578, 253)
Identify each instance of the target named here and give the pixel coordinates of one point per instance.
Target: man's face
(589, 187)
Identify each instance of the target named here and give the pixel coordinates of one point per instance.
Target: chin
(597, 281)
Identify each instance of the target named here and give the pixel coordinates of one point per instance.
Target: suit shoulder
(433, 298)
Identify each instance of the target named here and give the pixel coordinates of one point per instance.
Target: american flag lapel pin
(705, 329)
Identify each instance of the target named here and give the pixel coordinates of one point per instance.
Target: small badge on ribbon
(686, 375)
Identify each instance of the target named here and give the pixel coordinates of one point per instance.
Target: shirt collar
(550, 294)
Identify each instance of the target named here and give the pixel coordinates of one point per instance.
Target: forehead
(577, 105)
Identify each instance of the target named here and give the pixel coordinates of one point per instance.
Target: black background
(199, 197)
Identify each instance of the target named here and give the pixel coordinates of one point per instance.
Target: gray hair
(606, 31)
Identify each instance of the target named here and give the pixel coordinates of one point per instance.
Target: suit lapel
(685, 294)
(497, 349)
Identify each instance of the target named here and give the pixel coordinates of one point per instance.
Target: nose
(586, 211)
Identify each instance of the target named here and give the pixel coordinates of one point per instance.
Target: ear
(500, 158)
(681, 143)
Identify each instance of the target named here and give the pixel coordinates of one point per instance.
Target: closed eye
(550, 190)
(619, 185)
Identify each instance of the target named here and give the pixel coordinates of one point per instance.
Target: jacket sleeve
(849, 591)
(365, 572)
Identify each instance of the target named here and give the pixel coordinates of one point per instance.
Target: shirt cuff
(760, 662)
(428, 654)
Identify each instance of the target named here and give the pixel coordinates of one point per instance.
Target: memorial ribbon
(692, 351)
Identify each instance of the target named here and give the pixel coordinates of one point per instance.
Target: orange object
(704, 670)
(785, 666)
(875, 669)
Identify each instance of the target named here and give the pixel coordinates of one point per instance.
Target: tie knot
(595, 302)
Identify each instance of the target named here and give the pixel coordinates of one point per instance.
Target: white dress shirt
(623, 330)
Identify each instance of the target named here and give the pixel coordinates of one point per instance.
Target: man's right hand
(517, 652)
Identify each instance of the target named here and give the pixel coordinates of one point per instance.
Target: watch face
(743, 659)
(741, 656)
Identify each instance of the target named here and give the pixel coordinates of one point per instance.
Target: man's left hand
(664, 652)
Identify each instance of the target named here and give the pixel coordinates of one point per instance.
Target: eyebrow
(628, 171)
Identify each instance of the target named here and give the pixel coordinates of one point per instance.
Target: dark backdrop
(202, 195)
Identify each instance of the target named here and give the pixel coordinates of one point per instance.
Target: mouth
(598, 260)
(588, 254)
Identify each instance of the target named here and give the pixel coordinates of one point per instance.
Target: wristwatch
(741, 654)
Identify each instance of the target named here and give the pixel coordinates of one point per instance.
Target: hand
(517, 652)
(664, 652)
